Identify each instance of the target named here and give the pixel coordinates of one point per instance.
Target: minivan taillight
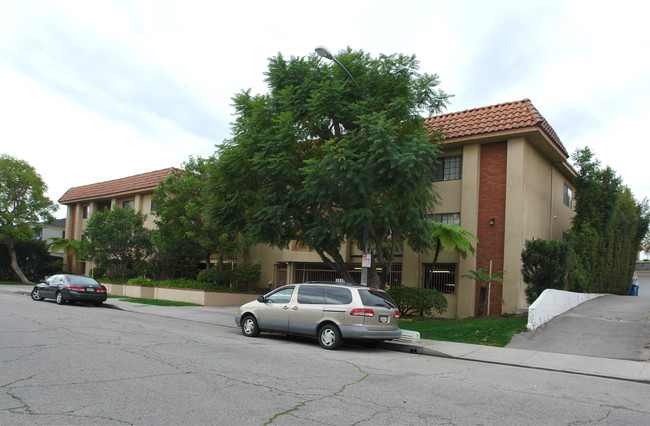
(396, 314)
(362, 313)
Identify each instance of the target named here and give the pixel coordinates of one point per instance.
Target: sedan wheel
(36, 295)
(59, 298)
(249, 326)
(329, 337)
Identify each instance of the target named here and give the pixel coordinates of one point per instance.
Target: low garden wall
(552, 303)
(199, 297)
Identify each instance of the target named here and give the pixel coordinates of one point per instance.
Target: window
(84, 211)
(450, 168)
(281, 296)
(311, 295)
(338, 296)
(441, 277)
(322, 295)
(568, 196)
(448, 218)
(130, 204)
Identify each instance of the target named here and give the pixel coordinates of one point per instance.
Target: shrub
(246, 274)
(544, 265)
(98, 273)
(418, 300)
(216, 277)
(143, 281)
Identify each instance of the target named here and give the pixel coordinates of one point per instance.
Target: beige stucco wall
(534, 209)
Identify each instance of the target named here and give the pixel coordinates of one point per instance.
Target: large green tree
(22, 205)
(180, 215)
(117, 239)
(608, 229)
(319, 160)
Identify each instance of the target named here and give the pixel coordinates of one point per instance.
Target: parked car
(330, 312)
(70, 288)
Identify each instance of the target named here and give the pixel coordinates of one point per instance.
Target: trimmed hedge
(418, 300)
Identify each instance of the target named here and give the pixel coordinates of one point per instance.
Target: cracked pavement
(77, 364)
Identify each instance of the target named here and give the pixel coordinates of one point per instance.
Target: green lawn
(493, 331)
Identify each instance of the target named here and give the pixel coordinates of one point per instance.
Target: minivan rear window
(376, 298)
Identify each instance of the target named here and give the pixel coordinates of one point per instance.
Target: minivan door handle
(285, 307)
(295, 308)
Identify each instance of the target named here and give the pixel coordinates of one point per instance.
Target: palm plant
(483, 277)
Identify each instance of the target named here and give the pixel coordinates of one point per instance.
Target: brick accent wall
(491, 205)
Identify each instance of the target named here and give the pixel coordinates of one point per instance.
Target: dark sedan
(70, 288)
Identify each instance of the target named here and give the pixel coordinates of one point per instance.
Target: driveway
(608, 326)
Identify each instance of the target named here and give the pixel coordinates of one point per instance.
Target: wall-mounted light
(492, 221)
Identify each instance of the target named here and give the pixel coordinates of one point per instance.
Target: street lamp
(366, 259)
(324, 53)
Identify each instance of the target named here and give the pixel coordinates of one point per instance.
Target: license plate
(383, 318)
(90, 289)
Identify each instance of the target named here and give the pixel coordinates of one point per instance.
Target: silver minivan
(330, 312)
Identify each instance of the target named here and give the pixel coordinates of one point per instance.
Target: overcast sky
(96, 90)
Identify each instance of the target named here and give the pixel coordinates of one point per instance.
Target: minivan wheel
(249, 326)
(329, 337)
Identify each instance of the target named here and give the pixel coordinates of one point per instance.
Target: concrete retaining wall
(199, 297)
(552, 303)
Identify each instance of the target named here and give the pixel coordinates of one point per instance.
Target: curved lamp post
(323, 52)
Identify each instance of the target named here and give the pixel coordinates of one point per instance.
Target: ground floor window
(440, 276)
(320, 272)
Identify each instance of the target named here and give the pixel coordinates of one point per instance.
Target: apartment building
(504, 176)
(82, 201)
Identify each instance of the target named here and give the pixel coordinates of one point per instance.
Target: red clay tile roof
(131, 184)
(495, 118)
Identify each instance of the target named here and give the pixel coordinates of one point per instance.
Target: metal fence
(441, 277)
(320, 272)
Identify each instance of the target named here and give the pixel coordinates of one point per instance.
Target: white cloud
(105, 89)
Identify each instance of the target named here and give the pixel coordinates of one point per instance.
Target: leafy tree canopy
(22, 205)
(117, 239)
(319, 161)
(182, 229)
(608, 229)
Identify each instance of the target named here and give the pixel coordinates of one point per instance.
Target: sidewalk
(592, 366)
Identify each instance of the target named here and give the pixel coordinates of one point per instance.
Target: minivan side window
(311, 295)
(280, 296)
(338, 296)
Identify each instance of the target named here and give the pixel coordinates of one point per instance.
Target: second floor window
(85, 212)
(130, 204)
(448, 218)
(568, 195)
(449, 168)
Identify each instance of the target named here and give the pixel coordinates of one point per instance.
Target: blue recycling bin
(634, 291)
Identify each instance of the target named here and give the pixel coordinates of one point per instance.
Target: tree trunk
(336, 263)
(14, 261)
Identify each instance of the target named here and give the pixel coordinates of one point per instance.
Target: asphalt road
(77, 364)
(607, 326)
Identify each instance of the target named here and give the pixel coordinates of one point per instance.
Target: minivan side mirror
(261, 299)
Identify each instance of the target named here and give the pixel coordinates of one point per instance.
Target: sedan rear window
(75, 279)
(376, 298)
